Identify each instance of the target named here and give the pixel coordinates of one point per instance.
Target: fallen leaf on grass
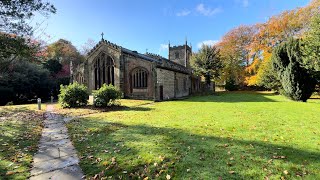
(168, 176)
(161, 158)
(231, 172)
(278, 157)
(10, 173)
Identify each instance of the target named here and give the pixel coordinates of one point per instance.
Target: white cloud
(245, 3)
(207, 11)
(184, 12)
(207, 42)
(163, 47)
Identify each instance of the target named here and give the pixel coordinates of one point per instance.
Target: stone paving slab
(67, 173)
(53, 136)
(56, 157)
(54, 164)
(53, 153)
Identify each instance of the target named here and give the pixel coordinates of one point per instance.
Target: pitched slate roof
(162, 62)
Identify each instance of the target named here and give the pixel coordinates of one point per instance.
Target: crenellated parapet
(156, 56)
(180, 47)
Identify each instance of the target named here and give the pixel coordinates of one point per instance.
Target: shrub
(297, 81)
(23, 82)
(231, 85)
(73, 95)
(106, 95)
(6, 95)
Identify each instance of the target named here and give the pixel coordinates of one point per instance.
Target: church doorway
(161, 93)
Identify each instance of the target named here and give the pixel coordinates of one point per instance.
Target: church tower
(180, 54)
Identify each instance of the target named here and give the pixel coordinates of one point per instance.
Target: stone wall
(183, 52)
(130, 64)
(174, 84)
(165, 78)
(182, 85)
(114, 53)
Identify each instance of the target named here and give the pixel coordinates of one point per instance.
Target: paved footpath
(56, 157)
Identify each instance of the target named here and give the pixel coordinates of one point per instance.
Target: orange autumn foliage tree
(63, 51)
(234, 48)
(277, 29)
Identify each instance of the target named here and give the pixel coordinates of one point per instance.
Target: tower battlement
(180, 54)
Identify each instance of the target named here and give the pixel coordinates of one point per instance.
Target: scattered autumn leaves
(20, 131)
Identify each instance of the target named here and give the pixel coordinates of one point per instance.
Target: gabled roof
(162, 62)
(136, 54)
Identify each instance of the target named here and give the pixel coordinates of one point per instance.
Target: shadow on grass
(90, 109)
(234, 97)
(115, 108)
(136, 149)
(6, 111)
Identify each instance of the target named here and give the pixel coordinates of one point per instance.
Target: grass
(229, 135)
(20, 131)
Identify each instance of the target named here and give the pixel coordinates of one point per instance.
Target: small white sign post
(39, 103)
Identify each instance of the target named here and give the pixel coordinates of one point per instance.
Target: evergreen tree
(207, 63)
(297, 82)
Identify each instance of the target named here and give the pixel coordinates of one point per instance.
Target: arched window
(103, 70)
(139, 78)
(80, 78)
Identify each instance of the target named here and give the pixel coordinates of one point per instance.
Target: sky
(149, 25)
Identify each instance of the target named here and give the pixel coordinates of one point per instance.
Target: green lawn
(228, 135)
(20, 131)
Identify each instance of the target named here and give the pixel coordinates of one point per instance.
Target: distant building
(139, 76)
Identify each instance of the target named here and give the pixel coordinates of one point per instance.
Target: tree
(86, 47)
(311, 43)
(65, 52)
(15, 32)
(297, 81)
(267, 76)
(53, 65)
(14, 15)
(207, 62)
(277, 29)
(12, 47)
(234, 48)
(25, 81)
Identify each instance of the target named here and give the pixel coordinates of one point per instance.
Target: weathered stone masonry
(139, 76)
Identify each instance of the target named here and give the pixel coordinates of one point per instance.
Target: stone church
(139, 76)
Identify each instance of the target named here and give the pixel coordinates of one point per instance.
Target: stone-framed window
(177, 55)
(139, 78)
(80, 78)
(103, 70)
